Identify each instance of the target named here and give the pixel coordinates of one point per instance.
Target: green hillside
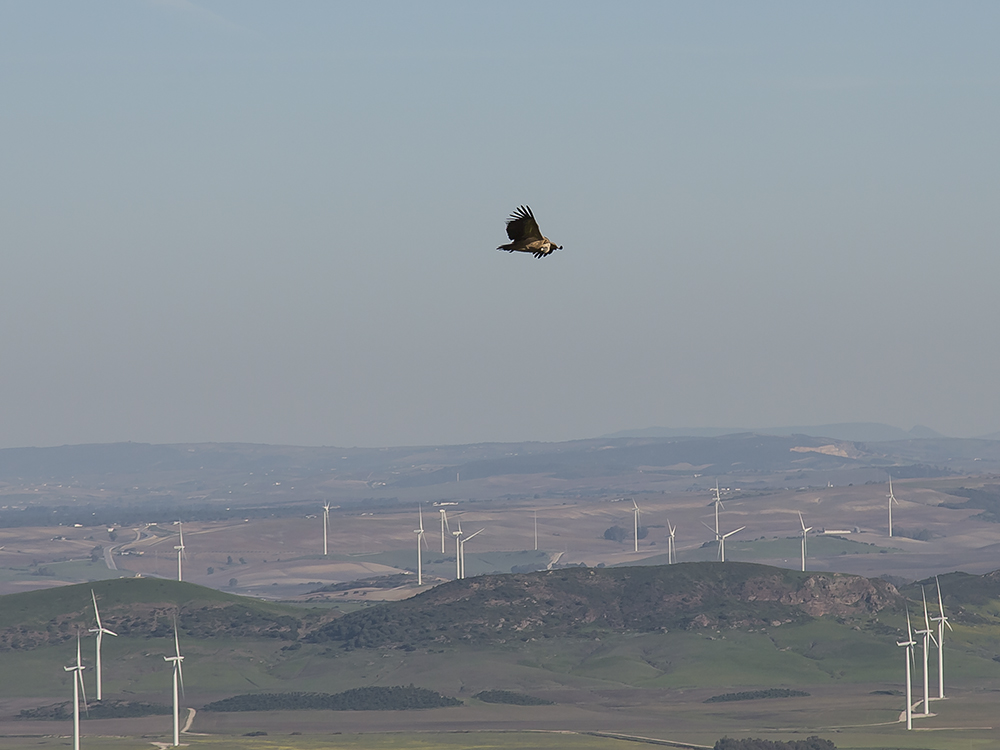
(667, 626)
(143, 607)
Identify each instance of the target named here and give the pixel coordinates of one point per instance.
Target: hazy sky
(276, 222)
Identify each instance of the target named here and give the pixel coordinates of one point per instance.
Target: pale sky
(277, 222)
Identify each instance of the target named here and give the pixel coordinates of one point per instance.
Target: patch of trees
(810, 743)
(921, 535)
(986, 497)
(616, 534)
(98, 710)
(511, 698)
(752, 695)
(238, 620)
(620, 533)
(396, 698)
(920, 471)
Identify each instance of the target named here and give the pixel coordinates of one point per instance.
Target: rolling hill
(570, 601)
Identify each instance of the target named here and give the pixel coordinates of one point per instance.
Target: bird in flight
(525, 236)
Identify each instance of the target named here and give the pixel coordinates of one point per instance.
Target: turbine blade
(177, 643)
(927, 624)
(83, 691)
(180, 676)
(96, 613)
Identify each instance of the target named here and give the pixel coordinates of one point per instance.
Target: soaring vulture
(525, 236)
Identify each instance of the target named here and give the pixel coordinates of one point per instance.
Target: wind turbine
(536, 530)
(909, 643)
(671, 547)
(326, 524)
(941, 620)
(100, 630)
(722, 542)
(636, 519)
(892, 499)
(180, 549)
(78, 689)
(420, 538)
(928, 637)
(462, 545)
(178, 678)
(804, 531)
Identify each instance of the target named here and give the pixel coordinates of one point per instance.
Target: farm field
(281, 557)
(831, 713)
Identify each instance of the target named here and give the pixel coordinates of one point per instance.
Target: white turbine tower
(909, 644)
(462, 545)
(722, 542)
(458, 551)
(928, 637)
(178, 679)
(100, 630)
(536, 530)
(804, 532)
(636, 524)
(671, 546)
(420, 538)
(180, 549)
(326, 525)
(941, 620)
(78, 689)
(892, 499)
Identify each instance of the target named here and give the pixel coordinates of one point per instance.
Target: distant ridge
(861, 432)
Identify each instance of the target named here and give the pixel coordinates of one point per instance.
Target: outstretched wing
(521, 226)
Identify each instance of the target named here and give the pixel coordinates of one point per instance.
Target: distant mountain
(77, 484)
(862, 432)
